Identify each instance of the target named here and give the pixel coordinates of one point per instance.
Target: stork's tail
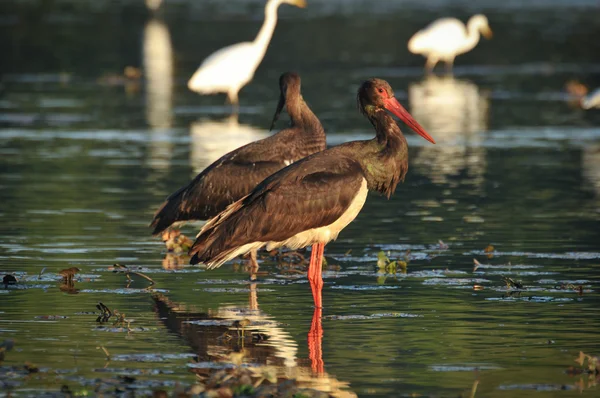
(213, 244)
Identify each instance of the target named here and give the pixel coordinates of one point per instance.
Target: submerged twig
(105, 351)
(105, 314)
(124, 269)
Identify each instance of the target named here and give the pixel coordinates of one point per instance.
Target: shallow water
(87, 155)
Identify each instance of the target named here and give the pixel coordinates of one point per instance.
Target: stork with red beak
(311, 201)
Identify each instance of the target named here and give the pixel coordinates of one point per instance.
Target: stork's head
(376, 95)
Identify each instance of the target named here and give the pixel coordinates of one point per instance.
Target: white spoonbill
(446, 38)
(231, 68)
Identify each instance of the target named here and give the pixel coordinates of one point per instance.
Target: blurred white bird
(592, 100)
(153, 5)
(231, 68)
(446, 38)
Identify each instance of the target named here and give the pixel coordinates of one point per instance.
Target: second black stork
(236, 173)
(311, 201)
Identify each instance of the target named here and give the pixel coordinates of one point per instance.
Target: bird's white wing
(441, 36)
(230, 66)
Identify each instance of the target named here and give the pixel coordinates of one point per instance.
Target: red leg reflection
(315, 277)
(315, 339)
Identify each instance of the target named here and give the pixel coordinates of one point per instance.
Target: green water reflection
(86, 155)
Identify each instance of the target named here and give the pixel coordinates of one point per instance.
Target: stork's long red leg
(314, 273)
(315, 338)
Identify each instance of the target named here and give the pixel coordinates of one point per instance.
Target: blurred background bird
(231, 68)
(446, 38)
(592, 100)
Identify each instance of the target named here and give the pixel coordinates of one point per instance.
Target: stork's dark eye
(380, 90)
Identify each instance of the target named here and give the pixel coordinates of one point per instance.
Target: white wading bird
(592, 100)
(231, 68)
(446, 38)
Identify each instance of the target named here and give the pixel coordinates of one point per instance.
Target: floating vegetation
(176, 242)
(512, 284)
(128, 272)
(591, 364)
(105, 313)
(120, 321)
(386, 266)
(372, 316)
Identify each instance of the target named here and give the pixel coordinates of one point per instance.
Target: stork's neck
(386, 163)
(473, 36)
(266, 31)
(303, 117)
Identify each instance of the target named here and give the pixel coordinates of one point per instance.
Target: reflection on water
(454, 112)
(212, 139)
(158, 70)
(76, 189)
(214, 337)
(590, 166)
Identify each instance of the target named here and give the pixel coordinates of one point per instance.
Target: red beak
(392, 105)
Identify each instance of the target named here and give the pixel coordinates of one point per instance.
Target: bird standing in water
(236, 173)
(446, 38)
(312, 200)
(231, 68)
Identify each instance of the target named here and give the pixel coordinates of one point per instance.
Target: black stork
(236, 173)
(312, 200)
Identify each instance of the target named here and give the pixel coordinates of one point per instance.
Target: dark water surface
(87, 155)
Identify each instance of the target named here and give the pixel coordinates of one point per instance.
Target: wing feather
(298, 198)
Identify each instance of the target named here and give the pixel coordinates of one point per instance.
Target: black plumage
(236, 173)
(317, 191)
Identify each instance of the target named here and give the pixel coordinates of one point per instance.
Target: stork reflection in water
(267, 342)
(210, 139)
(158, 72)
(456, 111)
